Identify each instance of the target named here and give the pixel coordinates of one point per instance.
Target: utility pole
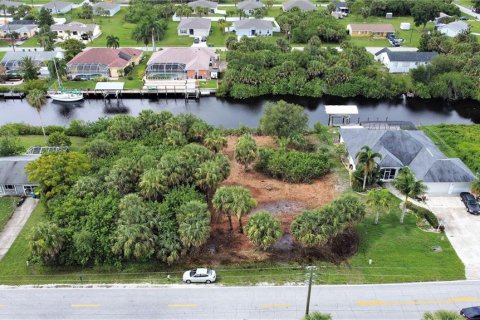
(310, 278)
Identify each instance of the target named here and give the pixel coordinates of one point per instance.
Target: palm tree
(406, 183)
(367, 157)
(46, 241)
(442, 315)
(236, 201)
(29, 68)
(36, 99)
(149, 28)
(215, 141)
(153, 184)
(476, 187)
(379, 200)
(113, 42)
(208, 176)
(13, 35)
(193, 223)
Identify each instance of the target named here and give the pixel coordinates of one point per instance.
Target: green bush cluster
(293, 166)
(424, 213)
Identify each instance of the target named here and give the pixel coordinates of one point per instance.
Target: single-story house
(102, 63)
(13, 179)
(453, 29)
(12, 61)
(253, 27)
(110, 8)
(249, 6)
(403, 61)
(7, 4)
(211, 5)
(23, 30)
(76, 30)
(59, 7)
(411, 148)
(377, 30)
(302, 5)
(194, 27)
(182, 63)
(442, 17)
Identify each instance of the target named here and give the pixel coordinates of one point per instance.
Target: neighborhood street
(391, 301)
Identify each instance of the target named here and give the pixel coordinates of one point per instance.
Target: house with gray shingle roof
(253, 27)
(411, 148)
(403, 61)
(211, 5)
(7, 4)
(23, 30)
(194, 27)
(13, 61)
(110, 8)
(59, 7)
(302, 5)
(13, 179)
(76, 30)
(249, 6)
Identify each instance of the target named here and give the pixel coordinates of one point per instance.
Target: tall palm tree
(208, 176)
(29, 68)
(406, 183)
(367, 157)
(113, 42)
(36, 99)
(234, 200)
(149, 29)
(379, 200)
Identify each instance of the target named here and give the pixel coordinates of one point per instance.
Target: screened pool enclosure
(87, 71)
(158, 71)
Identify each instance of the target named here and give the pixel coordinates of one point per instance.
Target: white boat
(64, 95)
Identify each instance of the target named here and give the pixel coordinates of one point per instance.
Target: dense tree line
(139, 191)
(256, 68)
(302, 26)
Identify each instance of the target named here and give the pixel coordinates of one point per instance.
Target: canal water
(233, 113)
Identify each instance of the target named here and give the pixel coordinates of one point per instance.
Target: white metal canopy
(341, 109)
(109, 85)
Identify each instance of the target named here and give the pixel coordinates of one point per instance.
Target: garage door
(448, 188)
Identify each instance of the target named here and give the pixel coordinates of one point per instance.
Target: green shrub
(293, 166)
(424, 213)
(59, 139)
(77, 128)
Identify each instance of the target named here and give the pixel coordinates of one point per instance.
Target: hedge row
(424, 213)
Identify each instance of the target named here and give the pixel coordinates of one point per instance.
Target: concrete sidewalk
(15, 225)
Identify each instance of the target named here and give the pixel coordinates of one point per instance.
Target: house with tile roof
(194, 27)
(59, 7)
(76, 30)
(302, 5)
(411, 148)
(403, 61)
(182, 63)
(102, 63)
(376, 30)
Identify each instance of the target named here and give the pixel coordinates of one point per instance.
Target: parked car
(200, 275)
(463, 18)
(470, 202)
(472, 313)
(204, 39)
(196, 40)
(23, 38)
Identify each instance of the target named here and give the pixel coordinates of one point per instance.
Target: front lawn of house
(7, 206)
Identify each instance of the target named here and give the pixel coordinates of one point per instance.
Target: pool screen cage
(88, 70)
(17, 63)
(166, 71)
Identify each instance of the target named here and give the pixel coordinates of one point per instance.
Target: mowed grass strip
(7, 206)
(399, 253)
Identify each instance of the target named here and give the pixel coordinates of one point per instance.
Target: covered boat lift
(343, 112)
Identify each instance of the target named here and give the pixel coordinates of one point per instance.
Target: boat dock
(12, 95)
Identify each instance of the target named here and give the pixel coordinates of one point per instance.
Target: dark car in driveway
(470, 202)
(472, 313)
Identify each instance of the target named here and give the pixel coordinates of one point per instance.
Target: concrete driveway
(462, 229)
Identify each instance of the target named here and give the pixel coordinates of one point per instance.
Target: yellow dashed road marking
(275, 305)
(416, 302)
(85, 305)
(182, 305)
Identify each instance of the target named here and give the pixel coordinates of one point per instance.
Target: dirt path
(15, 225)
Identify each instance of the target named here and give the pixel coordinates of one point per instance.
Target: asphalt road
(396, 301)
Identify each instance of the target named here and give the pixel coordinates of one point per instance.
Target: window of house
(388, 173)
(9, 187)
(75, 33)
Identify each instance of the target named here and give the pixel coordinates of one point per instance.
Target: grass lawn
(2, 54)
(7, 206)
(217, 37)
(411, 37)
(208, 84)
(31, 42)
(474, 26)
(400, 253)
(29, 141)
(4, 43)
(457, 141)
(465, 3)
